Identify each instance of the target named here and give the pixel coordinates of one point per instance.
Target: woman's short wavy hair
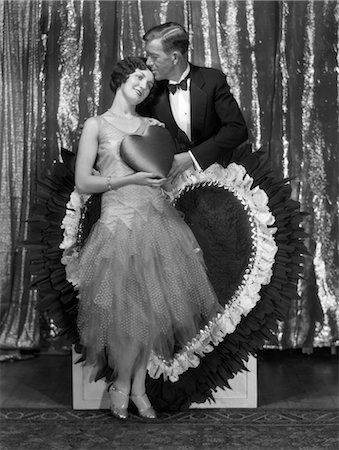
(124, 68)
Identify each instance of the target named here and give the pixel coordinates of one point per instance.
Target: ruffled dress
(144, 290)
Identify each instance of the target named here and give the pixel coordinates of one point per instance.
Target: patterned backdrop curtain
(281, 63)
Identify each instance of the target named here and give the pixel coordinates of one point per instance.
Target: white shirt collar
(183, 76)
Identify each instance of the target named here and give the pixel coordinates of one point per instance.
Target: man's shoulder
(207, 72)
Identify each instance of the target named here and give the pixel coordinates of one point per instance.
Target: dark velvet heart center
(152, 152)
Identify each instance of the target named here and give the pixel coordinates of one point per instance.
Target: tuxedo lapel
(164, 112)
(198, 102)
(198, 107)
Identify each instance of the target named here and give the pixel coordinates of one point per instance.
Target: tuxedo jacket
(217, 124)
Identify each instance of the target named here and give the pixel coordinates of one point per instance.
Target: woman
(143, 286)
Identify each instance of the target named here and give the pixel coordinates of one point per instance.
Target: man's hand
(182, 162)
(155, 122)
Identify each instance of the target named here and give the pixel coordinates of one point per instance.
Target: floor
(286, 379)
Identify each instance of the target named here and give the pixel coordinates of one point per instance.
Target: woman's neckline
(123, 116)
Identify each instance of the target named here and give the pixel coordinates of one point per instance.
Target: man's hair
(124, 68)
(173, 36)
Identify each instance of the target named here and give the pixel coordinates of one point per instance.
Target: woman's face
(137, 86)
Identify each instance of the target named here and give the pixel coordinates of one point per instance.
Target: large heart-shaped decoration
(152, 152)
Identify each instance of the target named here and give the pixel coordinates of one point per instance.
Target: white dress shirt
(180, 103)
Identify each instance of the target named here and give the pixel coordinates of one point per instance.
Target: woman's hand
(147, 179)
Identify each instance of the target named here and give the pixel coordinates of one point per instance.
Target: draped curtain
(280, 58)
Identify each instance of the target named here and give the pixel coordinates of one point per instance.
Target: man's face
(160, 62)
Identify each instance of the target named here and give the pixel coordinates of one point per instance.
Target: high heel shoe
(144, 406)
(119, 402)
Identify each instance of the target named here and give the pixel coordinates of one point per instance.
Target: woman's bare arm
(86, 182)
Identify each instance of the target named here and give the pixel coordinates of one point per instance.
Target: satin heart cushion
(152, 152)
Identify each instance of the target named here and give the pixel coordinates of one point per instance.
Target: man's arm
(232, 130)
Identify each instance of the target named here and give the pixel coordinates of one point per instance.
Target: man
(195, 103)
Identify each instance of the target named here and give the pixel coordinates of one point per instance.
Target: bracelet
(109, 186)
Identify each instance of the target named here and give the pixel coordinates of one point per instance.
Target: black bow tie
(174, 87)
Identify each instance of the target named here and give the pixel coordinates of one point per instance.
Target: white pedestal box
(92, 395)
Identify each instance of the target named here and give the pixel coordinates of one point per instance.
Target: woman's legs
(131, 367)
(125, 370)
(139, 380)
(138, 393)
(119, 390)
(131, 379)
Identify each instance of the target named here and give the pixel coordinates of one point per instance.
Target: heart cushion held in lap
(152, 152)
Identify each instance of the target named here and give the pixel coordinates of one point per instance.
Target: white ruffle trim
(235, 179)
(70, 225)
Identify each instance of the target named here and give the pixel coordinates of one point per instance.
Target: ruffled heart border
(58, 297)
(258, 272)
